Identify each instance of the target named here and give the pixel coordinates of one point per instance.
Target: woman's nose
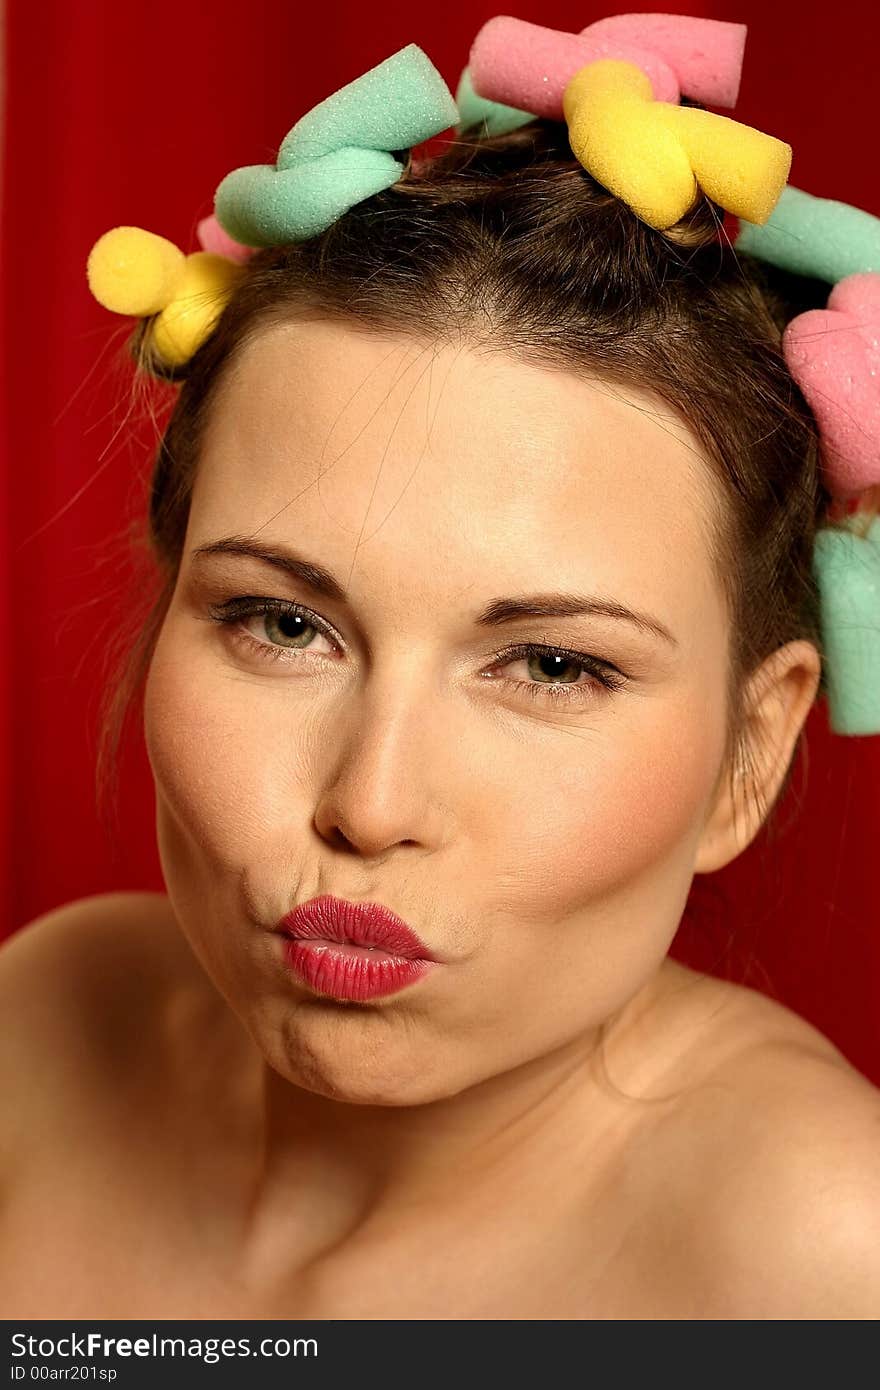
(387, 768)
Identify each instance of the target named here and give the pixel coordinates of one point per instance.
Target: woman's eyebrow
(500, 610)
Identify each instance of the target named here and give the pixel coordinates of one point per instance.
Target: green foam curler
(814, 236)
(847, 569)
(338, 154)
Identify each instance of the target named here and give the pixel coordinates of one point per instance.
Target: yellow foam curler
(656, 156)
(131, 271)
(135, 272)
(199, 298)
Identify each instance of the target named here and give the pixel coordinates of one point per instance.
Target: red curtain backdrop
(132, 113)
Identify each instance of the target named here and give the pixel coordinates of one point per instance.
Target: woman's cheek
(196, 732)
(619, 802)
(233, 756)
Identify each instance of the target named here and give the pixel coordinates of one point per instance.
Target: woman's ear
(778, 699)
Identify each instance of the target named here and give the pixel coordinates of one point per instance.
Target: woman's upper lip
(329, 918)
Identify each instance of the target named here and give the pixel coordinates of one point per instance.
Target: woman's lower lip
(349, 971)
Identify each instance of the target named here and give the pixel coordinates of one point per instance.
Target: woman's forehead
(450, 450)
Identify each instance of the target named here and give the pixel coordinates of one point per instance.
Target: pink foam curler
(834, 355)
(528, 66)
(706, 55)
(212, 237)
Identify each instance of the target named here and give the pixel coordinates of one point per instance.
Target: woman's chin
(356, 1072)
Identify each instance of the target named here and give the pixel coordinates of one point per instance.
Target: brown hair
(508, 241)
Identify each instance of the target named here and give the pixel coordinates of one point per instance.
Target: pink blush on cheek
(591, 829)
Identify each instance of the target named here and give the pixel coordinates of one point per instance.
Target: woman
(487, 601)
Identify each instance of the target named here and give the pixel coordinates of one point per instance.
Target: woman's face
(537, 829)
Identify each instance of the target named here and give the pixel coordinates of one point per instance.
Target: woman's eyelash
(602, 673)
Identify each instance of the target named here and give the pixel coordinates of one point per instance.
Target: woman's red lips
(353, 950)
(360, 924)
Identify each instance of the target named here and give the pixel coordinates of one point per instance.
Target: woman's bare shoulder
(85, 988)
(67, 956)
(780, 1146)
(128, 911)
